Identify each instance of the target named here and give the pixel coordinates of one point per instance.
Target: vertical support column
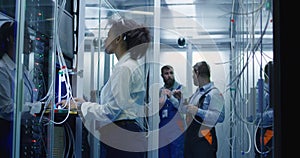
(78, 138)
(78, 80)
(189, 61)
(19, 96)
(154, 85)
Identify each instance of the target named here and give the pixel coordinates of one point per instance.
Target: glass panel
(27, 76)
(252, 29)
(235, 38)
(98, 66)
(59, 54)
(36, 130)
(7, 83)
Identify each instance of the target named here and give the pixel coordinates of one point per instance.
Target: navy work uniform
(171, 127)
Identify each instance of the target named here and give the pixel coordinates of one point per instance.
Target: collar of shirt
(175, 86)
(123, 59)
(205, 87)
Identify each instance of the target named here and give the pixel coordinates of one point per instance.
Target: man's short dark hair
(202, 68)
(166, 67)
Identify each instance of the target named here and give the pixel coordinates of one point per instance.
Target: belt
(124, 122)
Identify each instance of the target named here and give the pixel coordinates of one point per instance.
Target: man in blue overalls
(171, 125)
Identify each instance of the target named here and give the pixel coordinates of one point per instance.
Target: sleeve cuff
(200, 113)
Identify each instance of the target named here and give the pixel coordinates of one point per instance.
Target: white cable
(249, 138)
(255, 145)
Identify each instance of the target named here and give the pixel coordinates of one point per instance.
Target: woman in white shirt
(121, 109)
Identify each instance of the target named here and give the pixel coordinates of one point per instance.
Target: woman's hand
(72, 103)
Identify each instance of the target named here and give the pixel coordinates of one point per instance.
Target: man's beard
(169, 82)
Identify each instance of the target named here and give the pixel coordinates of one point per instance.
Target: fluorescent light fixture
(132, 11)
(179, 1)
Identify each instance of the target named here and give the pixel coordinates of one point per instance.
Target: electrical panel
(33, 137)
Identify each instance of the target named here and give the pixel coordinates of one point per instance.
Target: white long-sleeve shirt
(121, 98)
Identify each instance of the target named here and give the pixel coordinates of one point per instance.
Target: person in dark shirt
(264, 116)
(204, 110)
